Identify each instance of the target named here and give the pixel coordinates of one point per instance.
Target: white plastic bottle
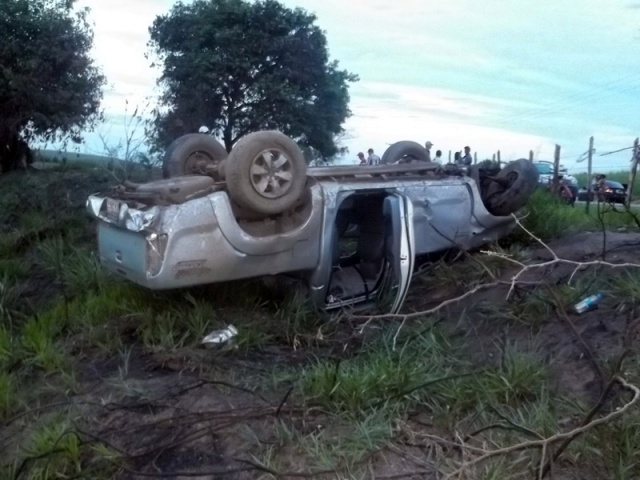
(588, 303)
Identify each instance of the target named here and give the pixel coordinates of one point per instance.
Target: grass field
(103, 379)
(59, 156)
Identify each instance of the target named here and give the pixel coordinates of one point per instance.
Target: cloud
(387, 113)
(512, 76)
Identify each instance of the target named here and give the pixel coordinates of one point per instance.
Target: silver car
(351, 235)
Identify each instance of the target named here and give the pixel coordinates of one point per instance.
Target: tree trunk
(14, 152)
(227, 137)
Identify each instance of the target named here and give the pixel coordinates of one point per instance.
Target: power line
(616, 151)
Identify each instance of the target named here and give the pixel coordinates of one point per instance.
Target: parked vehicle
(568, 184)
(613, 192)
(350, 235)
(545, 169)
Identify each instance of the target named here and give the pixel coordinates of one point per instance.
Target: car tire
(522, 177)
(405, 149)
(266, 172)
(192, 153)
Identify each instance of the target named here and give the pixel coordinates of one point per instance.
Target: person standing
(467, 159)
(428, 146)
(438, 158)
(373, 158)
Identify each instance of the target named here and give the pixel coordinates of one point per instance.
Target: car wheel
(192, 153)
(266, 172)
(516, 183)
(405, 149)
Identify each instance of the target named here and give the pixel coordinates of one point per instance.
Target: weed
(200, 318)
(547, 217)
(497, 469)
(612, 451)
(13, 269)
(528, 310)
(83, 272)
(625, 286)
(377, 376)
(52, 253)
(298, 319)
(6, 346)
(161, 332)
(54, 451)
(10, 301)
(8, 394)
(40, 345)
(520, 377)
(328, 450)
(9, 244)
(33, 221)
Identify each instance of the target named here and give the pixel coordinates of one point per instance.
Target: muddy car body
(352, 238)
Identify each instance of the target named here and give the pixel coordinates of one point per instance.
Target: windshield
(544, 168)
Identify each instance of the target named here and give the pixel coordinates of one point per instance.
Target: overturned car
(351, 235)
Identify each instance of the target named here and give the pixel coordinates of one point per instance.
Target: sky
(512, 76)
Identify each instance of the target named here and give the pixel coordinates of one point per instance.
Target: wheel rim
(512, 177)
(271, 173)
(197, 161)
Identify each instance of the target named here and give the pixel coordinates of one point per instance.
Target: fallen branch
(544, 443)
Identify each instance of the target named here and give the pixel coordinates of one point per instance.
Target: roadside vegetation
(550, 218)
(87, 358)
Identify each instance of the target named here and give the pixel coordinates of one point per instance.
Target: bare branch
(557, 437)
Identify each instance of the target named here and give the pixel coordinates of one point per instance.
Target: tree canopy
(237, 67)
(49, 85)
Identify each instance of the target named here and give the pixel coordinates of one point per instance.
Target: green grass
(54, 451)
(13, 269)
(424, 369)
(11, 304)
(548, 218)
(9, 245)
(358, 394)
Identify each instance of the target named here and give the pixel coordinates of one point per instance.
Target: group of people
(458, 159)
(372, 159)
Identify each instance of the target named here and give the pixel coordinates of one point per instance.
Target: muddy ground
(187, 412)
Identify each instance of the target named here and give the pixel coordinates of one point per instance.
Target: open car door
(375, 271)
(399, 252)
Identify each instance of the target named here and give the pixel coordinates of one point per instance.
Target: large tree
(237, 67)
(49, 85)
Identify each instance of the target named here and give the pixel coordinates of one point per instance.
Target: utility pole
(556, 169)
(632, 172)
(589, 165)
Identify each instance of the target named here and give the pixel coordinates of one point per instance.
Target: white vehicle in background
(545, 170)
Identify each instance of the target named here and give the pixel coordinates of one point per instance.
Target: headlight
(157, 245)
(138, 220)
